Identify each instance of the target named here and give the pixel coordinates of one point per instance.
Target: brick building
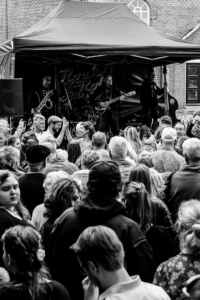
(176, 18)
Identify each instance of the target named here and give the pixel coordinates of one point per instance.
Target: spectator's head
(40, 125)
(99, 140)
(14, 142)
(191, 151)
(141, 173)
(165, 121)
(118, 148)
(64, 194)
(146, 159)
(38, 118)
(100, 254)
(10, 194)
(23, 256)
(180, 142)
(138, 203)
(74, 151)
(84, 129)
(180, 129)
(145, 132)
(157, 183)
(4, 276)
(131, 134)
(3, 137)
(51, 178)
(54, 124)
(88, 158)
(36, 156)
(168, 137)
(62, 154)
(4, 126)
(105, 178)
(188, 226)
(9, 156)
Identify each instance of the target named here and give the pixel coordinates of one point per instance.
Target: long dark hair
(138, 203)
(141, 173)
(22, 244)
(59, 199)
(20, 208)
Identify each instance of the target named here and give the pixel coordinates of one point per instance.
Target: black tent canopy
(96, 33)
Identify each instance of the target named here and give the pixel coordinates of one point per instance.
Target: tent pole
(165, 90)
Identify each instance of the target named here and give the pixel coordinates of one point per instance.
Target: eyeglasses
(82, 269)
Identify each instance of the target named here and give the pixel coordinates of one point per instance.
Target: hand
(102, 104)
(163, 106)
(122, 98)
(65, 122)
(91, 291)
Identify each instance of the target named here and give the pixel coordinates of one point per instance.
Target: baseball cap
(54, 119)
(169, 134)
(104, 176)
(37, 153)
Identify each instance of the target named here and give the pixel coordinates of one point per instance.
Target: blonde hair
(188, 225)
(157, 183)
(133, 138)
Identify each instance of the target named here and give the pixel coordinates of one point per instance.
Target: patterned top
(173, 274)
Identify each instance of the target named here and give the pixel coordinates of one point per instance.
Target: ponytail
(138, 203)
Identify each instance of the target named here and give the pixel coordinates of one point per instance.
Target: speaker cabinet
(11, 98)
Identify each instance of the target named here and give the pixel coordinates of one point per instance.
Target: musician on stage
(108, 116)
(38, 94)
(148, 98)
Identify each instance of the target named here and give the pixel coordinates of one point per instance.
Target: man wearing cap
(54, 125)
(31, 183)
(99, 207)
(166, 159)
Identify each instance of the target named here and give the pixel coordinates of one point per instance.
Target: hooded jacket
(184, 185)
(97, 209)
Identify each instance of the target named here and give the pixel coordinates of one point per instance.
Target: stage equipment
(11, 98)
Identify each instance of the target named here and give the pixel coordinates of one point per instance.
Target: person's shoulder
(154, 291)
(59, 291)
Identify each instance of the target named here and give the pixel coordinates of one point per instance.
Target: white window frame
(140, 8)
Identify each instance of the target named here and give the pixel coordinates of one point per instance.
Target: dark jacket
(148, 95)
(57, 164)
(161, 214)
(97, 210)
(184, 186)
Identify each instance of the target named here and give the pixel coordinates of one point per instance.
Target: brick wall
(172, 17)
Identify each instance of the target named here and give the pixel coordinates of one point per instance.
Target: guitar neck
(113, 100)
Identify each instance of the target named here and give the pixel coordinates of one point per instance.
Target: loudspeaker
(11, 97)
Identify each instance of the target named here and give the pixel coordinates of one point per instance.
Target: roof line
(191, 31)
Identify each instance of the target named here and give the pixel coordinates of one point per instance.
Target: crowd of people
(84, 217)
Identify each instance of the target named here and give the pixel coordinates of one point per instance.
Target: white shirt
(45, 135)
(134, 289)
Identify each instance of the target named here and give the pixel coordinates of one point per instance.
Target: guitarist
(109, 119)
(38, 94)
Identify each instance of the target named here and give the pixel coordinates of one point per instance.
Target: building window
(192, 83)
(141, 9)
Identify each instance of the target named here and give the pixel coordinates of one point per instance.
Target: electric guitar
(102, 110)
